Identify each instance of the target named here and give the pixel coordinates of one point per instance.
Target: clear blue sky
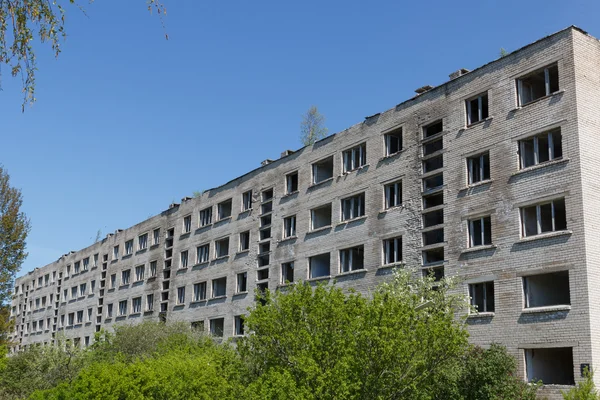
(126, 121)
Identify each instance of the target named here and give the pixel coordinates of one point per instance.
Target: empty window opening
(263, 260)
(242, 282)
(353, 207)
(136, 305)
(76, 269)
(320, 217)
(202, 253)
(264, 247)
(393, 142)
(142, 244)
(352, 259)
(322, 170)
(139, 273)
(128, 247)
(187, 224)
(480, 231)
(123, 307)
(266, 220)
(433, 256)
(478, 168)
(547, 289)
(482, 296)
(538, 84)
(540, 218)
(354, 158)
(165, 285)
(262, 274)
(433, 129)
(433, 146)
(540, 148)
(115, 256)
(205, 216)
(265, 233)
(219, 287)
(247, 200)
(433, 200)
(433, 218)
(433, 237)
(224, 209)
(149, 302)
(200, 291)
(477, 109)
(153, 265)
(393, 194)
(287, 272)
(125, 277)
(289, 226)
(436, 273)
(222, 248)
(392, 250)
(244, 241)
(267, 195)
(433, 182)
(550, 365)
(431, 164)
(291, 183)
(216, 327)
(183, 262)
(238, 322)
(85, 264)
(266, 207)
(198, 326)
(319, 265)
(156, 236)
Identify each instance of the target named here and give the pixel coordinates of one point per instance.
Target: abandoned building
(489, 176)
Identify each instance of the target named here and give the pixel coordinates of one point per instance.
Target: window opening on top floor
(540, 83)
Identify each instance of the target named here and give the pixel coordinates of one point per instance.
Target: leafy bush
(585, 390)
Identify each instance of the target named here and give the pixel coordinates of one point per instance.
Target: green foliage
(23, 21)
(337, 345)
(14, 227)
(38, 368)
(491, 374)
(196, 370)
(503, 52)
(311, 127)
(585, 390)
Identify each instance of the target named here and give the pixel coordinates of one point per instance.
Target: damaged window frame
(354, 158)
(352, 259)
(487, 292)
(477, 108)
(289, 226)
(556, 224)
(247, 201)
(393, 142)
(353, 207)
(530, 156)
(392, 194)
(392, 250)
(478, 168)
(551, 84)
(480, 231)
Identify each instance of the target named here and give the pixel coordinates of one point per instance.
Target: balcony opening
(553, 366)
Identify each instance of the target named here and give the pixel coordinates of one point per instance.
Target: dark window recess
(262, 274)
(265, 233)
(263, 260)
(267, 195)
(265, 220)
(434, 163)
(320, 217)
(540, 148)
(319, 265)
(552, 366)
(433, 146)
(393, 142)
(478, 168)
(477, 109)
(547, 289)
(433, 256)
(541, 218)
(264, 247)
(433, 200)
(482, 296)
(433, 182)
(433, 218)
(480, 231)
(433, 129)
(291, 183)
(538, 84)
(433, 237)
(266, 207)
(322, 170)
(437, 273)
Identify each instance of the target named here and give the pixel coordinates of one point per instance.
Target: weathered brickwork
(509, 258)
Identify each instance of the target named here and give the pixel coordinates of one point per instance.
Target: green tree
(312, 127)
(23, 23)
(585, 390)
(337, 345)
(14, 227)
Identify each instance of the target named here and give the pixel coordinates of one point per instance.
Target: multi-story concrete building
(489, 176)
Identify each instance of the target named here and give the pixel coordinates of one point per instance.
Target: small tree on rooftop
(312, 126)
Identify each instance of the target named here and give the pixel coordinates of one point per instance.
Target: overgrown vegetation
(312, 127)
(403, 342)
